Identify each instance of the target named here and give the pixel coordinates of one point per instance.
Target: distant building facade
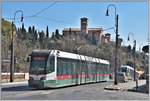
(100, 37)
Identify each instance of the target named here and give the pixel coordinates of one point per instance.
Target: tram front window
(38, 64)
(124, 70)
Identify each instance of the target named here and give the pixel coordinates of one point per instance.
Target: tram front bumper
(36, 83)
(42, 83)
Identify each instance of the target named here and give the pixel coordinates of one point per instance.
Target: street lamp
(134, 49)
(116, 46)
(12, 47)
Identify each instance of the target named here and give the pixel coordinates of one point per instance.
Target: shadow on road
(140, 89)
(71, 86)
(17, 88)
(26, 88)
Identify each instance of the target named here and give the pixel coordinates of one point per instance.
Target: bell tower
(84, 25)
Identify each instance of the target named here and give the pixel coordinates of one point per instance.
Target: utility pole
(12, 57)
(116, 51)
(134, 60)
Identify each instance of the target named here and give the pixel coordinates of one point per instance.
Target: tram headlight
(30, 78)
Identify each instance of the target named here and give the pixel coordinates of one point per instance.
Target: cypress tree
(57, 33)
(47, 32)
(29, 29)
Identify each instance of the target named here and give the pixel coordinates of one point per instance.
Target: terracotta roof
(78, 29)
(72, 29)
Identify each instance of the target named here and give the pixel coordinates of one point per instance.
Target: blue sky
(133, 17)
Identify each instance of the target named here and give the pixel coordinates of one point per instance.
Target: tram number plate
(36, 78)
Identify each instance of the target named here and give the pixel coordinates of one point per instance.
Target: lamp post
(134, 49)
(12, 48)
(116, 46)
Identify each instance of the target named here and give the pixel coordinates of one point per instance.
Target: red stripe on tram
(63, 77)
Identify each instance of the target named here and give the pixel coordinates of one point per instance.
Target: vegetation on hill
(29, 39)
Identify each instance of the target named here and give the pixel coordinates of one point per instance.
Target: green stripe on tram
(67, 82)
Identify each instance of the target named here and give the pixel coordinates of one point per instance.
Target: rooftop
(78, 29)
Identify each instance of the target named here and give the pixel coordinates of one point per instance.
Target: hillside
(81, 43)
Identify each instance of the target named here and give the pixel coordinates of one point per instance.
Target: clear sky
(133, 17)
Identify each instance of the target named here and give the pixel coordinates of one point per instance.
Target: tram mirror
(28, 59)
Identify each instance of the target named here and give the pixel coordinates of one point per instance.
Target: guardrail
(16, 76)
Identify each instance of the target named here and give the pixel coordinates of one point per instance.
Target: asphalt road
(94, 91)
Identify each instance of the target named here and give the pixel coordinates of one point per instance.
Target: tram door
(82, 72)
(81, 69)
(78, 72)
(75, 74)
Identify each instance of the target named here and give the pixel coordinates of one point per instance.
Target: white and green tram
(54, 68)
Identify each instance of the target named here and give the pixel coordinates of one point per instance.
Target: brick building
(100, 36)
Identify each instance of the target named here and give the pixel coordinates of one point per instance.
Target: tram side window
(67, 67)
(75, 67)
(59, 67)
(89, 68)
(107, 66)
(105, 69)
(72, 63)
(64, 67)
(85, 67)
(71, 67)
(99, 68)
(50, 65)
(82, 65)
(94, 68)
(78, 67)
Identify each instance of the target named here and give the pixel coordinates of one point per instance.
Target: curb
(112, 88)
(13, 83)
(140, 91)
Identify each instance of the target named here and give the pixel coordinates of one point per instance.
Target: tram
(127, 73)
(55, 68)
